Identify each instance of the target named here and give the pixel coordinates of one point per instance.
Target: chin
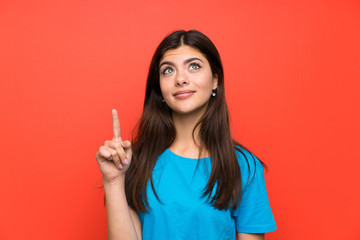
(188, 111)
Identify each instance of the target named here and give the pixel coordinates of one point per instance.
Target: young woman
(183, 176)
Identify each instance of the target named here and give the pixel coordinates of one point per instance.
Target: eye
(167, 70)
(194, 66)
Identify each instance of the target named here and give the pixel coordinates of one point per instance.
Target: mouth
(183, 94)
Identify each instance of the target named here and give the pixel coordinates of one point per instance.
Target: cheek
(206, 83)
(164, 87)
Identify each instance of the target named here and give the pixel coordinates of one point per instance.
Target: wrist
(114, 182)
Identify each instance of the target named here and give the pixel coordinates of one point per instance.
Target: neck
(185, 144)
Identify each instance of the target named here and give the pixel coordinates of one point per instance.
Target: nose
(181, 79)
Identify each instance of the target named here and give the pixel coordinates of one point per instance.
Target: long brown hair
(155, 132)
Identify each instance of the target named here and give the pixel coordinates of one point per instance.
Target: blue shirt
(184, 214)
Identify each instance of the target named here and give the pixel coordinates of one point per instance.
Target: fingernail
(110, 158)
(123, 142)
(126, 161)
(120, 166)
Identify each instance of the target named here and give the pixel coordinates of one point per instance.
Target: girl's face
(186, 80)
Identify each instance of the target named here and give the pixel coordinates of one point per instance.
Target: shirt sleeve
(253, 214)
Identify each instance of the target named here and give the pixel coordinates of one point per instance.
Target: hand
(115, 156)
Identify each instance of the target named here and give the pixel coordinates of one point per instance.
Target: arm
(122, 220)
(114, 159)
(254, 214)
(250, 236)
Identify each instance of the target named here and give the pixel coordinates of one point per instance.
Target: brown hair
(155, 132)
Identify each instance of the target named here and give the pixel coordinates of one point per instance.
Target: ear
(215, 81)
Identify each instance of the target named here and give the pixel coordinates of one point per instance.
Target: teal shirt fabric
(184, 214)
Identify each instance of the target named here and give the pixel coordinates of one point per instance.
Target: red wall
(292, 71)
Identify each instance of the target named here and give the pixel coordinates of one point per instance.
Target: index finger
(116, 125)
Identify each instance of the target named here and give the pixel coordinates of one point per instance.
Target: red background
(292, 72)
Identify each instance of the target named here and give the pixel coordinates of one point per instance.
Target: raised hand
(114, 156)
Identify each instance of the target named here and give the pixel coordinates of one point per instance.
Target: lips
(183, 94)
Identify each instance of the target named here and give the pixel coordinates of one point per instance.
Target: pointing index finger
(116, 125)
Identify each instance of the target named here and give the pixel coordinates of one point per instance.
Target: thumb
(126, 144)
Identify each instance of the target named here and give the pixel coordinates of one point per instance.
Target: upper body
(182, 213)
(185, 114)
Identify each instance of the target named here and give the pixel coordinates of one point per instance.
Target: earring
(213, 93)
(163, 100)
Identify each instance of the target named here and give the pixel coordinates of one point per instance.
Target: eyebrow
(186, 61)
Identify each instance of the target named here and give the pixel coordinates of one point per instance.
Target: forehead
(182, 53)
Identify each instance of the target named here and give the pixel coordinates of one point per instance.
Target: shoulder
(249, 164)
(246, 159)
